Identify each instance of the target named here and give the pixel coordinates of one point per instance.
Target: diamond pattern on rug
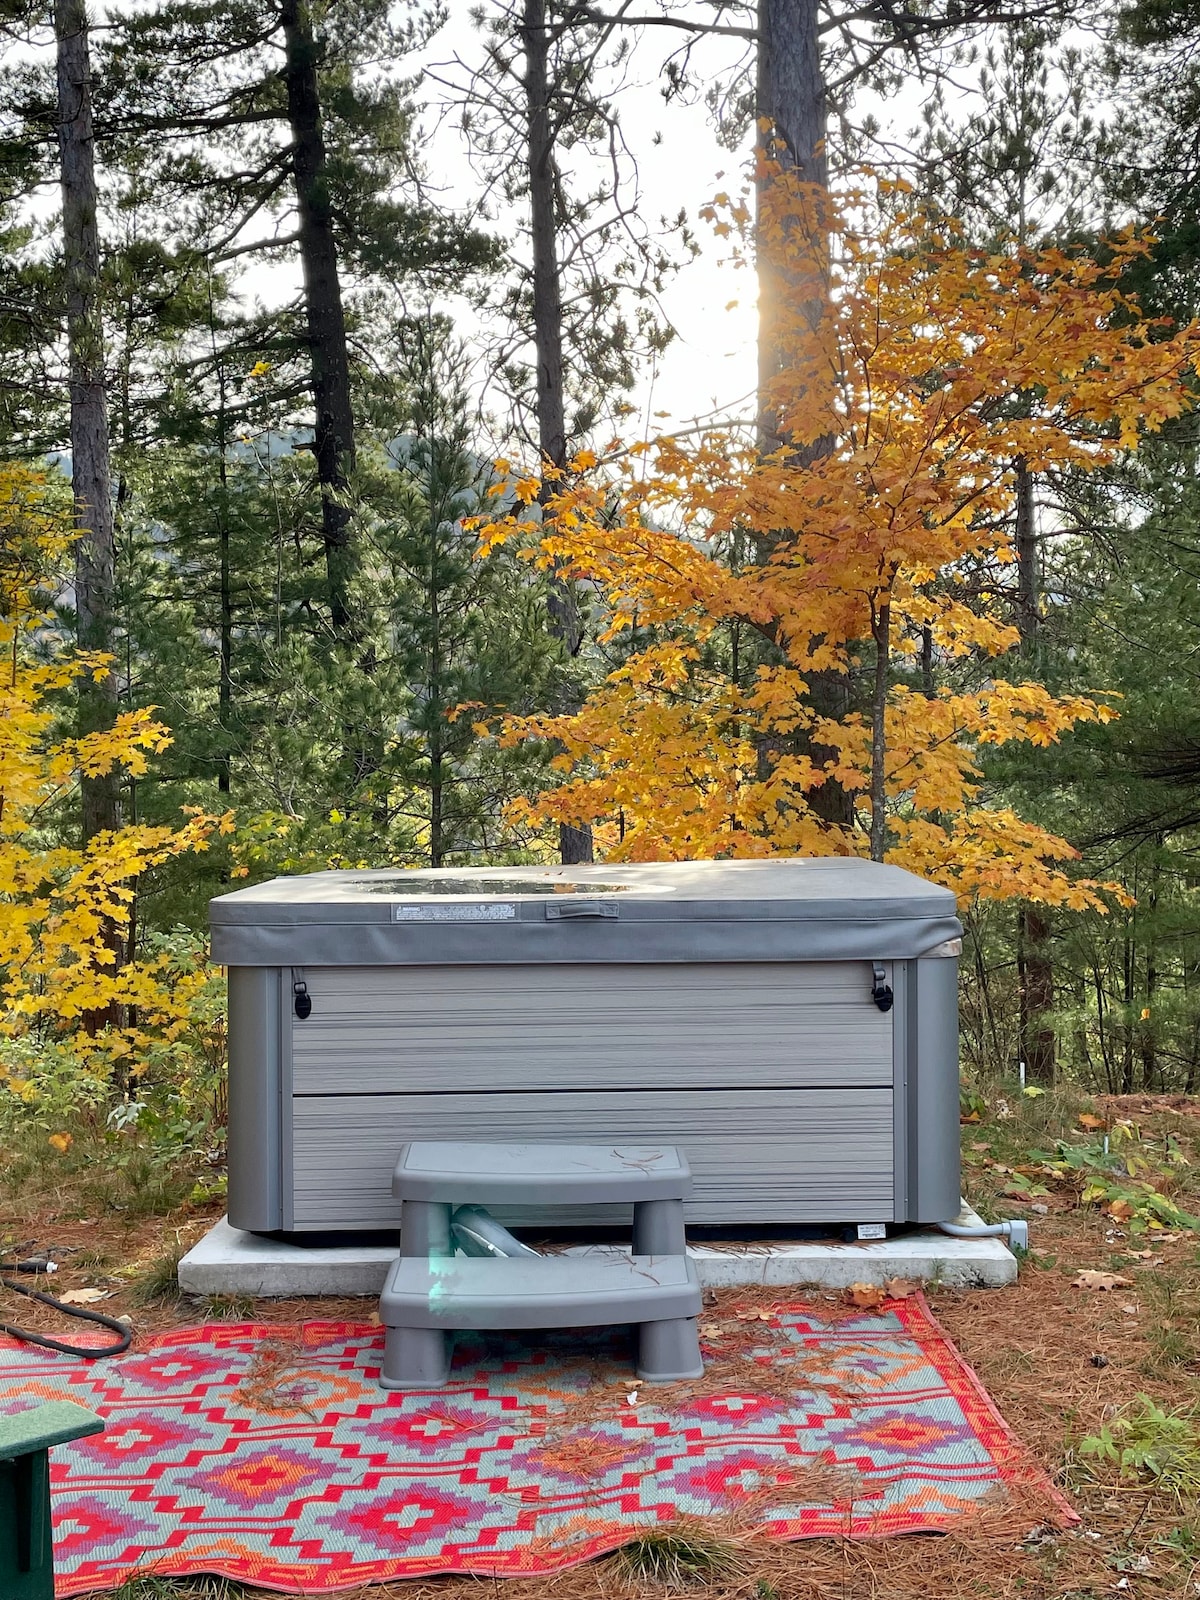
(270, 1454)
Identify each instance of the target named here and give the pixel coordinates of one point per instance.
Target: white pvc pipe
(1016, 1232)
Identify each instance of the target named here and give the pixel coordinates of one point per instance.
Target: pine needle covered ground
(1101, 1383)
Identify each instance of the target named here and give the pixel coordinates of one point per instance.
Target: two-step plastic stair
(431, 1293)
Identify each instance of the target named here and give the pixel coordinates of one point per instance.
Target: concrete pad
(228, 1261)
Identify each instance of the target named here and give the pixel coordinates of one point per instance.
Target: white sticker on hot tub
(487, 911)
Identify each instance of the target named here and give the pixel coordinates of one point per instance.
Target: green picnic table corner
(26, 1547)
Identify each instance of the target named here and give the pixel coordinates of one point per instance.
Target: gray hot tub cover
(781, 909)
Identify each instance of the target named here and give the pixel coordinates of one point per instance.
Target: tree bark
(791, 106)
(790, 100)
(95, 554)
(1038, 1040)
(1028, 618)
(1127, 972)
(575, 844)
(881, 628)
(1148, 1025)
(333, 428)
(225, 644)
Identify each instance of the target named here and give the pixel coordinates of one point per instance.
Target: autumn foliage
(916, 373)
(65, 911)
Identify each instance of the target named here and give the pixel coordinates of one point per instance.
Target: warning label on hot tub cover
(456, 911)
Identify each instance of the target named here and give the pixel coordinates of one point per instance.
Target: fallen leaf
(1120, 1210)
(754, 1316)
(900, 1288)
(1091, 1279)
(84, 1297)
(1130, 1311)
(631, 1399)
(865, 1295)
(1091, 1123)
(61, 1142)
(980, 1144)
(711, 1330)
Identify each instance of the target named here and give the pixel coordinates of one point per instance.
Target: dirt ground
(1058, 1360)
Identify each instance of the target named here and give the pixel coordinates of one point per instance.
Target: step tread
(529, 1173)
(538, 1291)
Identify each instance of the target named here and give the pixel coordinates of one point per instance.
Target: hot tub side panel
(777, 1078)
(259, 1100)
(934, 1159)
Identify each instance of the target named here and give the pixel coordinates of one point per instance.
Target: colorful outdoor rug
(270, 1455)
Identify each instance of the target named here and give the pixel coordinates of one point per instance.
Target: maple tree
(60, 902)
(918, 373)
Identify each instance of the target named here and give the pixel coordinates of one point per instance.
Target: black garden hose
(86, 1352)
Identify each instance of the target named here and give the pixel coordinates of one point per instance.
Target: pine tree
(467, 631)
(262, 160)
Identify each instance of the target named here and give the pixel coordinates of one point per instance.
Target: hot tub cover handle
(301, 999)
(881, 989)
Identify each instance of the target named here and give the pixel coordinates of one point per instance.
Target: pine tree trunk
(1028, 618)
(1148, 1024)
(1127, 969)
(91, 485)
(791, 104)
(225, 645)
(881, 628)
(333, 433)
(790, 99)
(1038, 1042)
(575, 844)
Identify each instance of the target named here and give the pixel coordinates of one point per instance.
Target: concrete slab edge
(229, 1262)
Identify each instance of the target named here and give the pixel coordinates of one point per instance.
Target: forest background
(272, 358)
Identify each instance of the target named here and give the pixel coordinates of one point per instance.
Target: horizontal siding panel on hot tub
(815, 1155)
(619, 1026)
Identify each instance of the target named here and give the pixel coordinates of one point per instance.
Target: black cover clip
(302, 1000)
(881, 989)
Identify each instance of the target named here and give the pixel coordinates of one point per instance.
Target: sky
(710, 365)
(711, 361)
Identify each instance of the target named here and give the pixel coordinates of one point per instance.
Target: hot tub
(792, 1024)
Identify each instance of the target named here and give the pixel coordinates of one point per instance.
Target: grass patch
(103, 1172)
(159, 1284)
(1151, 1445)
(229, 1308)
(142, 1185)
(677, 1557)
(148, 1587)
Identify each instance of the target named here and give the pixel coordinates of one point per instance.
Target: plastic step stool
(430, 1293)
(26, 1547)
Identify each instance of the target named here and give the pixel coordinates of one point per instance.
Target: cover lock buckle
(881, 989)
(301, 999)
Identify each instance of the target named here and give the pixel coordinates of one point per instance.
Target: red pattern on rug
(270, 1455)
